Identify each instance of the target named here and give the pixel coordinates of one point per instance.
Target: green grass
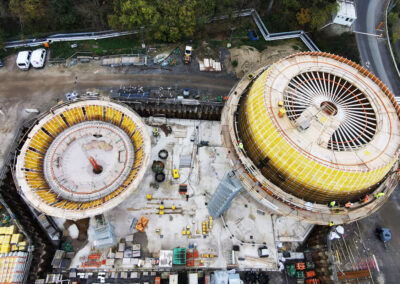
(109, 46)
(61, 50)
(260, 44)
(344, 45)
(10, 51)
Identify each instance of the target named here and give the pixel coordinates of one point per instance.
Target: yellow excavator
(188, 54)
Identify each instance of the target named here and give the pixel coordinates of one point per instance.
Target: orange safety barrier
(310, 274)
(312, 281)
(91, 264)
(94, 256)
(300, 266)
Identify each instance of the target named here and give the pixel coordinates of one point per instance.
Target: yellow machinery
(188, 54)
(175, 173)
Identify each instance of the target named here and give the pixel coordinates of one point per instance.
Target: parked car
(23, 60)
(1, 63)
(38, 58)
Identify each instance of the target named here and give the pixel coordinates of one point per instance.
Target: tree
(394, 24)
(303, 17)
(293, 13)
(205, 10)
(393, 18)
(291, 4)
(65, 13)
(318, 18)
(396, 33)
(93, 12)
(1, 39)
(169, 20)
(27, 11)
(131, 14)
(321, 13)
(187, 18)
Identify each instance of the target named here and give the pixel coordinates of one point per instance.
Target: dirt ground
(248, 58)
(82, 226)
(40, 89)
(43, 88)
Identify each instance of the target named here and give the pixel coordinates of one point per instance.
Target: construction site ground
(41, 89)
(240, 225)
(248, 58)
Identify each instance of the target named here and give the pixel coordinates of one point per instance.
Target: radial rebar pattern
(320, 127)
(336, 96)
(83, 158)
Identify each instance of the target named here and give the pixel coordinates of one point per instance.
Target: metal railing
(109, 34)
(68, 37)
(266, 34)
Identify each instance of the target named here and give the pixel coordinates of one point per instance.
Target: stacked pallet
(210, 65)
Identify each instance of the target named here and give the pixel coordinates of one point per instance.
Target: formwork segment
(285, 137)
(344, 151)
(83, 158)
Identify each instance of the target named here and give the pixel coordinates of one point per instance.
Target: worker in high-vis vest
(332, 204)
(240, 144)
(380, 194)
(331, 224)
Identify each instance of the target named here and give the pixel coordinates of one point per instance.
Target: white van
(23, 60)
(38, 57)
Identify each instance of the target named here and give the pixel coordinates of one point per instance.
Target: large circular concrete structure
(314, 128)
(83, 158)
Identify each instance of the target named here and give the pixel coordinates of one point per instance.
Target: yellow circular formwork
(293, 160)
(30, 174)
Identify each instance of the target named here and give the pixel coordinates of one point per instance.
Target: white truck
(24, 59)
(38, 57)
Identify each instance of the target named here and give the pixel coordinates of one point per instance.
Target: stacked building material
(166, 258)
(179, 257)
(11, 240)
(12, 267)
(210, 65)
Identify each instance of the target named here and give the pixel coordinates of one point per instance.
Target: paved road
(388, 258)
(41, 88)
(373, 50)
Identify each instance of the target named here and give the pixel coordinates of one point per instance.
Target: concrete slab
(241, 224)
